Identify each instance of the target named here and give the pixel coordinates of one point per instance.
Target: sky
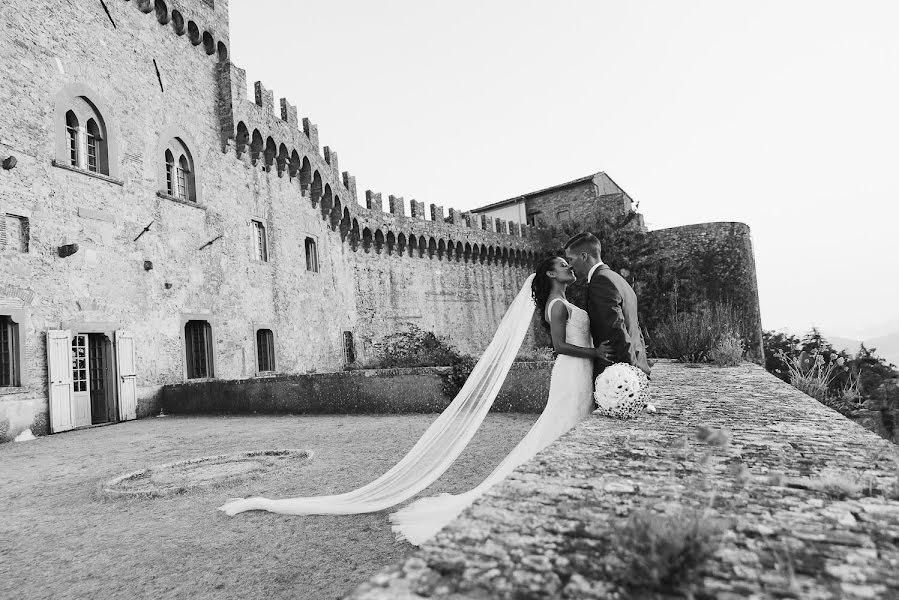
(780, 115)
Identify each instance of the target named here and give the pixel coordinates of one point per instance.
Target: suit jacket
(612, 306)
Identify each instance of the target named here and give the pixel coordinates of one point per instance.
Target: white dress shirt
(592, 269)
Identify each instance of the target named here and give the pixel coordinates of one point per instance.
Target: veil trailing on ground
(440, 445)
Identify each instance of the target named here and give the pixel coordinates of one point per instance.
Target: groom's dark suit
(612, 306)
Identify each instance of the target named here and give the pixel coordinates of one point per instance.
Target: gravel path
(61, 537)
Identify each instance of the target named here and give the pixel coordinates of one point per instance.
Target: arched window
(179, 171)
(265, 350)
(86, 144)
(86, 137)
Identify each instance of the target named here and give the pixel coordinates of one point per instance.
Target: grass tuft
(664, 552)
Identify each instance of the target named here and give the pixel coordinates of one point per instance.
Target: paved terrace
(806, 499)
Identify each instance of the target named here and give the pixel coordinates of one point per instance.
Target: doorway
(93, 400)
(91, 375)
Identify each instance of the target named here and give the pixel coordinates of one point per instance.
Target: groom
(611, 304)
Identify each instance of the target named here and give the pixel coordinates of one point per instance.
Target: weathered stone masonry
(148, 262)
(115, 249)
(807, 502)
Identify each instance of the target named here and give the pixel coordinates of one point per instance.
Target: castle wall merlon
(349, 182)
(437, 213)
(373, 201)
(289, 114)
(417, 210)
(456, 218)
(311, 131)
(397, 206)
(265, 99)
(331, 158)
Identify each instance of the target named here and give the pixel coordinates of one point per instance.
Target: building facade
(159, 226)
(578, 200)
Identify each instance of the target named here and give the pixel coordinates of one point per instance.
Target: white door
(81, 393)
(59, 377)
(127, 375)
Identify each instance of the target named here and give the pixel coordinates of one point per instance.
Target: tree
(775, 343)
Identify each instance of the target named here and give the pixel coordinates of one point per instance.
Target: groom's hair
(584, 242)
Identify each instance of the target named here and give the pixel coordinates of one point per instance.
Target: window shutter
(127, 375)
(59, 378)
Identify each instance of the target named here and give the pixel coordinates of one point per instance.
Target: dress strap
(550, 305)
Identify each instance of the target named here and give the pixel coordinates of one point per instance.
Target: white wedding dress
(570, 400)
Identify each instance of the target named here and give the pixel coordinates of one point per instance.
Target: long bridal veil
(440, 445)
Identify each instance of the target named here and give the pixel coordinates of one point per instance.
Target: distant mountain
(841, 343)
(887, 346)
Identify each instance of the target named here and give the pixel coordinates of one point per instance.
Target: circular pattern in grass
(184, 475)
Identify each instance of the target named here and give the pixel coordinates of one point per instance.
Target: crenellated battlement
(394, 234)
(277, 144)
(204, 22)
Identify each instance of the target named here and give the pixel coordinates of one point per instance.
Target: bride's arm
(558, 318)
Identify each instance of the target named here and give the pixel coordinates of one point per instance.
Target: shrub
(458, 375)
(727, 351)
(663, 552)
(691, 336)
(412, 347)
(776, 343)
(811, 373)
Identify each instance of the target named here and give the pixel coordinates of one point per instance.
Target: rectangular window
(9, 352)
(260, 244)
(532, 218)
(311, 256)
(349, 350)
(182, 184)
(92, 153)
(265, 350)
(562, 215)
(72, 134)
(79, 363)
(198, 342)
(17, 233)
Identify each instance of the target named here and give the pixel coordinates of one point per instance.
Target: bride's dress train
(443, 441)
(570, 400)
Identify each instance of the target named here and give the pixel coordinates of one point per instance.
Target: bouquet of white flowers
(621, 391)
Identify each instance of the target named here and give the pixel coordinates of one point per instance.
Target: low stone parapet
(788, 497)
(412, 390)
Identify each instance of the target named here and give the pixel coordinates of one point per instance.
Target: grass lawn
(61, 537)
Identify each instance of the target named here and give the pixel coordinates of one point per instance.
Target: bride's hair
(542, 286)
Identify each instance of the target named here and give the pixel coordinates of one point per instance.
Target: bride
(570, 400)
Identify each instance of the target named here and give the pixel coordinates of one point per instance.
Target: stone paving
(806, 503)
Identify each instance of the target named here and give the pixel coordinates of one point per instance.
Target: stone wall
(415, 390)
(722, 267)
(805, 504)
(147, 262)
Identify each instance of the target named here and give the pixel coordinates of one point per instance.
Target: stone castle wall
(724, 269)
(147, 262)
(195, 260)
